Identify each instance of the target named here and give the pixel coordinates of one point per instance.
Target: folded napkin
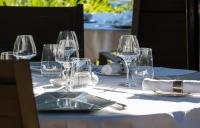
(188, 86)
(113, 68)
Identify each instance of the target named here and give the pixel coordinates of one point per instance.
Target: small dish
(171, 94)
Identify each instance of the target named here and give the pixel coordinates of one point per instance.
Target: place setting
(61, 71)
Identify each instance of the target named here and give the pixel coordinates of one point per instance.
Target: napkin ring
(177, 86)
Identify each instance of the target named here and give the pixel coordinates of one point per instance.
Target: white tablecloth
(144, 109)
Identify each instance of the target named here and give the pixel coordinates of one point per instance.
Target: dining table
(132, 107)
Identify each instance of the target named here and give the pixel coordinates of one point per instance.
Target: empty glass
(68, 35)
(128, 50)
(49, 67)
(24, 47)
(142, 67)
(82, 73)
(7, 56)
(66, 50)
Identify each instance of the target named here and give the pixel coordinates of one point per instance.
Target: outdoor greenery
(89, 5)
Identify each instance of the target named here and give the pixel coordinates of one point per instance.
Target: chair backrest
(165, 26)
(18, 108)
(44, 23)
(193, 34)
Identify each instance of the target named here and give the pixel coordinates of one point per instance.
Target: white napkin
(189, 86)
(113, 68)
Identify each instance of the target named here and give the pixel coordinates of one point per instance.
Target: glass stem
(66, 76)
(128, 73)
(65, 73)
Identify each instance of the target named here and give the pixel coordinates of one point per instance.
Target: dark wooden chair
(44, 23)
(17, 109)
(193, 34)
(169, 27)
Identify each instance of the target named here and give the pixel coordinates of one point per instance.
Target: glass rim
(66, 31)
(25, 35)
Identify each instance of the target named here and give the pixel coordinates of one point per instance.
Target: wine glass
(128, 50)
(66, 50)
(24, 47)
(68, 35)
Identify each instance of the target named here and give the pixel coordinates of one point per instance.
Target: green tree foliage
(96, 5)
(90, 6)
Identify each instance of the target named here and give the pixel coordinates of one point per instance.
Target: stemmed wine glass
(67, 47)
(128, 50)
(66, 50)
(24, 47)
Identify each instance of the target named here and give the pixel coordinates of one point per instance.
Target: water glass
(7, 56)
(82, 73)
(142, 67)
(49, 67)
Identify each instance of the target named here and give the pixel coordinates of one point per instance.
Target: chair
(44, 23)
(193, 33)
(168, 28)
(17, 109)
